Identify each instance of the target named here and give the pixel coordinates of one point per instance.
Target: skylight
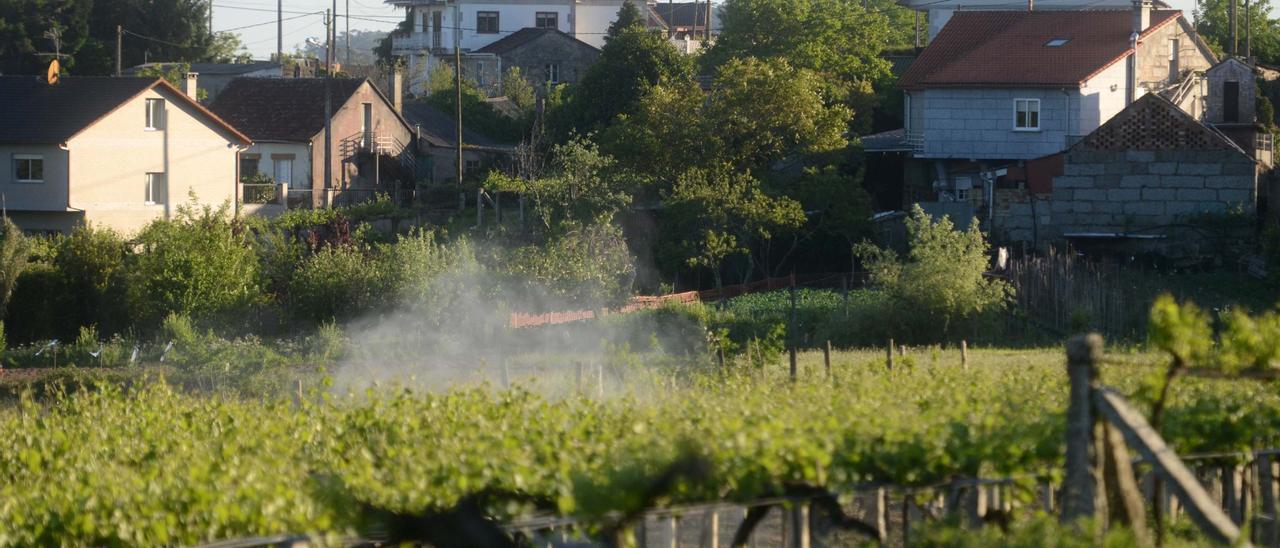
(1057, 42)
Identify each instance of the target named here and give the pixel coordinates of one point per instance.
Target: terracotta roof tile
(1008, 48)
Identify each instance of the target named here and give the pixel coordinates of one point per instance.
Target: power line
(271, 22)
(136, 35)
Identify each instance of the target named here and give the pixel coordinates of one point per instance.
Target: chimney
(1031, 5)
(1141, 15)
(192, 89)
(397, 89)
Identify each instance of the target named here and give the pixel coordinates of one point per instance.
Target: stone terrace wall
(1123, 191)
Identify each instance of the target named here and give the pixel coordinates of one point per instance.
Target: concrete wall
(1126, 191)
(978, 123)
(110, 160)
(50, 195)
(1154, 63)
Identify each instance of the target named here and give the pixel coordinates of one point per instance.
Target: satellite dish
(52, 75)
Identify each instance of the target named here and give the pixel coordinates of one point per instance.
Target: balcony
(410, 43)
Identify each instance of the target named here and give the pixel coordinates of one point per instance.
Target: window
(552, 71)
(248, 167)
(28, 168)
(437, 23)
(1057, 42)
(155, 113)
(1026, 115)
(366, 125)
(1175, 71)
(282, 169)
(155, 189)
(546, 20)
(471, 165)
(486, 22)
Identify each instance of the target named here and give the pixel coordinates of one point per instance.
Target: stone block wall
(1126, 191)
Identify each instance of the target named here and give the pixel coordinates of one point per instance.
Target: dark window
(437, 21)
(546, 20)
(248, 167)
(1231, 101)
(487, 22)
(552, 71)
(28, 168)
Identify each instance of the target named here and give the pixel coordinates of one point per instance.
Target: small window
(487, 22)
(553, 73)
(248, 167)
(471, 165)
(155, 113)
(1026, 114)
(155, 191)
(1057, 42)
(546, 20)
(28, 168)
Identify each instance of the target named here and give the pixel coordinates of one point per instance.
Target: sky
(255, 21)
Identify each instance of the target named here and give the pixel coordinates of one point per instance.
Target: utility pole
(671, 19)
(457, 96)
(1248, 32)
(119, 46)
(280, 31)
(328, 139)
(1235, 41)
(707, 34)
(327, 50)
(348, 40)
(333, 42)
(211, 17)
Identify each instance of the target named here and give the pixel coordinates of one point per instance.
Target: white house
(473, 24)
(997, 88)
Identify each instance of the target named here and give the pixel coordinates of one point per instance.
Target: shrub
(14, 252)
(590, 265)
(200, 264)
(941, 283)
(32, 314)
(91, 263)
(340, 283)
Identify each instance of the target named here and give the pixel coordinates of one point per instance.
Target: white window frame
(27, 158)
(552, 71)
(154, 180)
(1029, 101)
(155, 114)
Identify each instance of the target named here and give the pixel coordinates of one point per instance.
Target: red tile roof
(1007, 48)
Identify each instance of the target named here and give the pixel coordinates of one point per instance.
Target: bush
(340, 283)
(91, 266)
(34, 312)
(941, 283)
(588, 265)
(200, 264)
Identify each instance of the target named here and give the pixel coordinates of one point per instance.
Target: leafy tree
(174, 74)
(518, 90)
(1213, 23)
(171, 31)
(839, 40)
(941, 281)
(632, 60)
(583, 187)
(228, 48)
(758, 112)
(24, 25)
(587, 263)
(839, 208)
(479, 115)
(712, 214)
(199, 264)
(14, 250)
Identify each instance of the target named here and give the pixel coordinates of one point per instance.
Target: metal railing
(402, 43)
(915, 140)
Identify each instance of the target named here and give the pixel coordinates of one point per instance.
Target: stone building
(544, 56)
(1137, 179)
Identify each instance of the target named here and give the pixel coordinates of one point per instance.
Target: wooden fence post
(1124, 501)
(1267, 501)
(880, 511)
(1080, 485)
(506, 373)
(826, 359)
(964, 355)
(791, 354)
(800, 525)
(889, 354)
(578, 368)
(712, 529)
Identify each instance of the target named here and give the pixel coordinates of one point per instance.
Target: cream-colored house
(114, 152)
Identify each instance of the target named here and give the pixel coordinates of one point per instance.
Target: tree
(712, 214)
(228, 48)
(23, 28)
(14, 249)
(942, 280)
(174, 74)
(518, 90)
(758, 112)
(1214, 25)
(584, 187)
(632, 60)
(170, 31)
(839, 40)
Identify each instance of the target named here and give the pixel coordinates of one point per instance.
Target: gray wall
(1224, 72)
(572, 56)
(1103, 191)
(978, 123)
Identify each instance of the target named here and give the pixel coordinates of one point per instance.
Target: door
(1231, 102)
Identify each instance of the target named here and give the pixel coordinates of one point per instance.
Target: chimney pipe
(193, 78)
(1031, 5)
(1141, 15)
(397, 89)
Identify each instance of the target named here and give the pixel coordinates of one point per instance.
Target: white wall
(301, 160)
(49, 195)
(586, 19)
(1101, 98)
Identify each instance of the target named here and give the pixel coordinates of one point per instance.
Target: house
(213, 77)
(1133, 185)
(939, 12)
(470, 25)
(115, 152)
(437, 132)
(995, 89)
(370, 146)
(544, 56)
(685, 23)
